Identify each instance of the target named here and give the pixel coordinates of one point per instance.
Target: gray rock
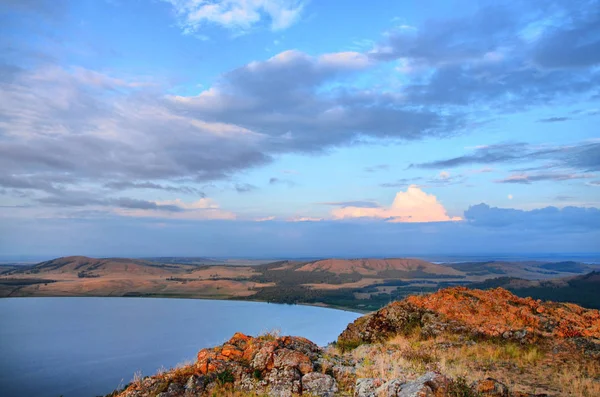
(367, 387)
(319, 384)
(284, 382)
(391, 388)
(425, 386)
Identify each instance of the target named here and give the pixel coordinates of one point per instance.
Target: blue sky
(297, 127)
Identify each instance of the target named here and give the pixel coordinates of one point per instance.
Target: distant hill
(191, 260)
(583, 290)
(530, 270)
(97, 267)
(361, 284)
(393, 267)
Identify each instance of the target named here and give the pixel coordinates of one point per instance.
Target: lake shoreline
(158, 296)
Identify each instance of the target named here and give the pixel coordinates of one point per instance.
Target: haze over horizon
(299, 128)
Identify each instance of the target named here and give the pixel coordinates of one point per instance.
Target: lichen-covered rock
(284, 382)
(492, 313)
(490, 387)
(266, 365)
(367, 387)
(429, 385)
(319, 384)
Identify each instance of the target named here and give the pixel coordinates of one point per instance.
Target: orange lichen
(497, 311)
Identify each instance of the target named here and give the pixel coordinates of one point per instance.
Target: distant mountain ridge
(376, 266)
(361, 284)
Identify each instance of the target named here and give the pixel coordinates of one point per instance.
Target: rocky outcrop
(493, 313)
(430, 384)
(278, 366)
(294, 366)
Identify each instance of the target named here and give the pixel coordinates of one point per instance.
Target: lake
(78, 347)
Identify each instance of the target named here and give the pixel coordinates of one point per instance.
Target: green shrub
(347, 345)
(460, 388)
(225, 377)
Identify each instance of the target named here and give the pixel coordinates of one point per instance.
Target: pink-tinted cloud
(414, 205)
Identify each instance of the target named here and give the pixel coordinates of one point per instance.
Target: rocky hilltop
(476, 313)
(455, 342)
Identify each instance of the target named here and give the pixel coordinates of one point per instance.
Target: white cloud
(264, 219)
(304, 219)
(237, 14)
(414, 205)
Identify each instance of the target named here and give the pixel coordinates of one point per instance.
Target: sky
(299, 127)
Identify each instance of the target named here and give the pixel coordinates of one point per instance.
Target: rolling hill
(362, 284)
(398, 267)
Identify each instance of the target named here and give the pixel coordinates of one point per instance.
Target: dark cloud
(556, 177)
(573, 44)
(281, 97)
(484, 155)
(244, 187)
(79, 199)
(55, 118)
(72, 200)
(568, 218)
(554, 119)
(442, 180)
(488, 59)
(23, 182)
(279, 181)
(584, 156)
(451, 40)
(122, 185)
(124, 202)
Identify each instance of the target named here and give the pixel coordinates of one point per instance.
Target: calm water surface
(78, 347)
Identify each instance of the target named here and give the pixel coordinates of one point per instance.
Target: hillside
(583, 290)
(395, 267)
(455, 342)
(358, 284)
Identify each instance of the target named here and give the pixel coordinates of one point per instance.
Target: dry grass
(137, 379)
(180, 373)
(228, 392)
(525, 368)
(270, 334)
(581, 380)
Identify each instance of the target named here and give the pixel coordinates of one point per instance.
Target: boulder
(367, 387)
(429, 385)
(319, 384)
